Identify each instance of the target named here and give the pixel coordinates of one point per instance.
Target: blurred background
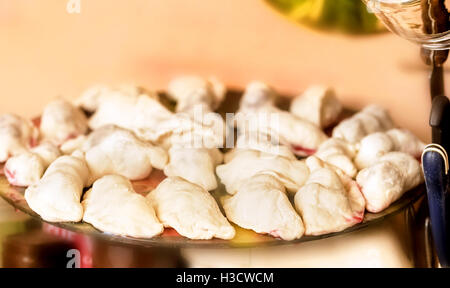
(49, 51)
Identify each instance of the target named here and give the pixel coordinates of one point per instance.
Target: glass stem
(437, 81)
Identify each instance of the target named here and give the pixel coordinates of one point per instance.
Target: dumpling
(16, 136)
(388, 179)
(62, 121)
(56, 197)
(94, 96)
(318, 104)
(303, 137)
(142, 115)
(261, 116)
(27, 168)
(261, 204)
(375, 145)
(330, 201)
(113, 150)
(194, 165)
(257, 96)
(292, 173)
(112, 206)
(196, 128)
(381, 114)
(340, 154)
(370, 120)
(151, 121)
(408, 165)
(48, 153)
(405, 141)
(371, 148)
(73, 145)
(196, 98)
(190, 210)
(24, 169)
(264, 143)
(193, 90)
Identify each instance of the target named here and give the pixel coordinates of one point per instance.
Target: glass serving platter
(170, 238)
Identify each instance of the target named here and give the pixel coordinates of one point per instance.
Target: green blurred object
(348, 16)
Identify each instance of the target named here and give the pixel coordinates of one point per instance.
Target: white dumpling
(370, 120)
(16, 136)
(375, 145)
(190, 210)
(112, 206)
(92, 98)
(260, 116)
(194, 165)
(381, 114)
(113, 150)
(73, 145)
(152, 121)
(318, 104)
(338, 153)
(56, 197)
(48, 153)
(257, 95)
(62, 121)
(371, 148)
(405, 141)
(24, 169)
(230, 155)
(388, 179)
(195, 128)
(141, 114)
(303, 137)
(261, 204)
(27, 168)
(263, 142)
(192, 90)
(330, 201)
(292, 173)
(409, 166)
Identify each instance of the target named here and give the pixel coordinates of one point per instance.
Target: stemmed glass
(426, 22)
(420, 21)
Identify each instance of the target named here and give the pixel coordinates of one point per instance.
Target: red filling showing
(71, 136)
(10, 175)
(302, 150)
(170, 232)
(148, 184)
(359, 186)
(275, 233)
(33, 142)
(36, 121)
(358, 218)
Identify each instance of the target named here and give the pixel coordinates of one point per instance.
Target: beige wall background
(47, 52)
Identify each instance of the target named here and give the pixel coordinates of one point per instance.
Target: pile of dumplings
(285, 178)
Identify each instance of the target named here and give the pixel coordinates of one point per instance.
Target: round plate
(170, 238)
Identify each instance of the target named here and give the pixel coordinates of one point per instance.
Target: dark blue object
(435, 167)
